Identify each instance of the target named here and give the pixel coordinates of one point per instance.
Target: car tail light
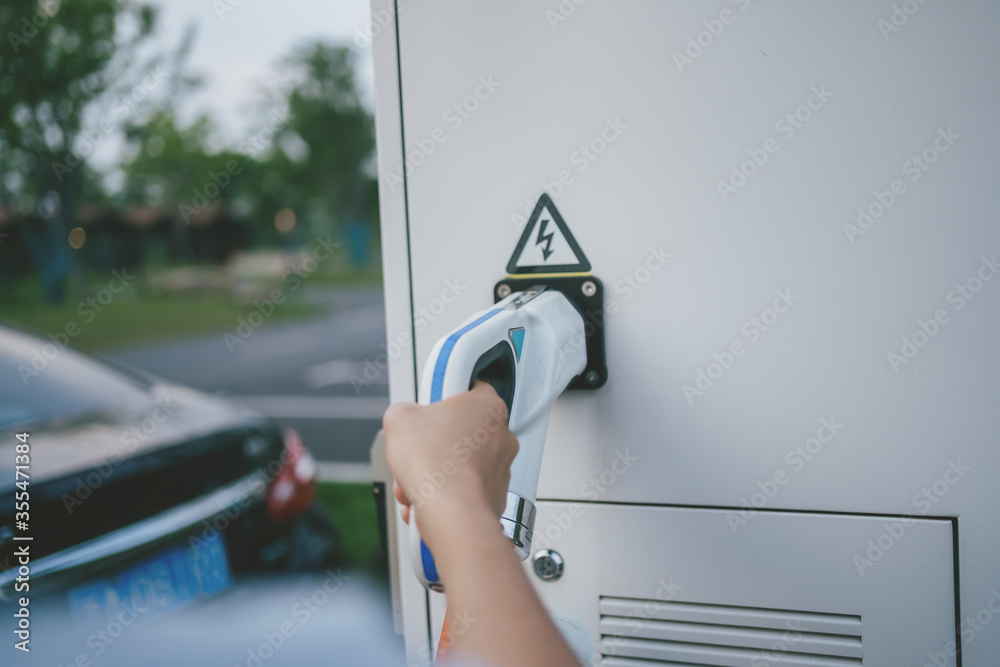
(293, 489)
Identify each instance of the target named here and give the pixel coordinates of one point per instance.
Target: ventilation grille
(645, 633)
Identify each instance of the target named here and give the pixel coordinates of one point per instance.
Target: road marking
(317, 407)
(270, 345)
(370, 318)
(350, 473)
(338, 371)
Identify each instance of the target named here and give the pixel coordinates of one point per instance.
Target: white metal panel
(827, 355)
(794, 573)
(399, 360)
(543, 87)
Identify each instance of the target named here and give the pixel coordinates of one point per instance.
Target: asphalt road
(299, 373)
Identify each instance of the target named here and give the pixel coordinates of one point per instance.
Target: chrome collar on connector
(518, 521)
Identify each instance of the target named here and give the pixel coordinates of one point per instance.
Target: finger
(483, 386)
(510, 449)
(404, 512)
(397, 412)
(485, 392)
(397, 491)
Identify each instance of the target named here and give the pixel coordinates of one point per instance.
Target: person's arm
(497, 616)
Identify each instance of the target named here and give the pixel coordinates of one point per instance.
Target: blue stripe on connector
(437, 385)
(430, 568)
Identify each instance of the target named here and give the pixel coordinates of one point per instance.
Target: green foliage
(70, 78)
(56, 59)
(327, 114)
(307, 152)
(172, 166)
(317, 157)
(136, 316)
(352, 509)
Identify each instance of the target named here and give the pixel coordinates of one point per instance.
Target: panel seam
(409, 254)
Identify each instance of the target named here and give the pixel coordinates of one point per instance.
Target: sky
(237, 45)
(239, 42)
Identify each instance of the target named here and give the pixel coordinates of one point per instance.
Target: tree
(308, 153)
(57, 61)
(172, 165)
(321, 151)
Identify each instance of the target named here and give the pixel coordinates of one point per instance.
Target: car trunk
(94, 473)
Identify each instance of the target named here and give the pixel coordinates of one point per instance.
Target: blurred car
(128, 492)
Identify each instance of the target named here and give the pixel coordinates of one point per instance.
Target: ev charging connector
(530, 346)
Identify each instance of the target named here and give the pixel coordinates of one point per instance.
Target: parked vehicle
(136, 493)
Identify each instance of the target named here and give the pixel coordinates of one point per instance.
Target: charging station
(787, 213)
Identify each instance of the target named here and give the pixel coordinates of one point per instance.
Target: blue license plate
(169, 580)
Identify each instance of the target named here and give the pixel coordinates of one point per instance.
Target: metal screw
(548, 564)
(503, 290)
(591, 377)
(589, 288)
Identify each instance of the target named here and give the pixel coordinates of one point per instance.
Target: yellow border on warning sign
(526, 276)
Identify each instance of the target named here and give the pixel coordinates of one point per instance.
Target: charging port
(587, 294)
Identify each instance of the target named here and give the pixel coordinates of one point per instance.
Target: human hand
(451, 461)
(452, 455)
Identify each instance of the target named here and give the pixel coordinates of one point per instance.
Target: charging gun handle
(455, 364)
(532, 341)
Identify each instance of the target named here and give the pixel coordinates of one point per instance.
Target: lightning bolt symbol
(545, 238)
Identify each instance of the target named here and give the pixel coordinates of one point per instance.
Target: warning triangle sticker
(547, 245)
